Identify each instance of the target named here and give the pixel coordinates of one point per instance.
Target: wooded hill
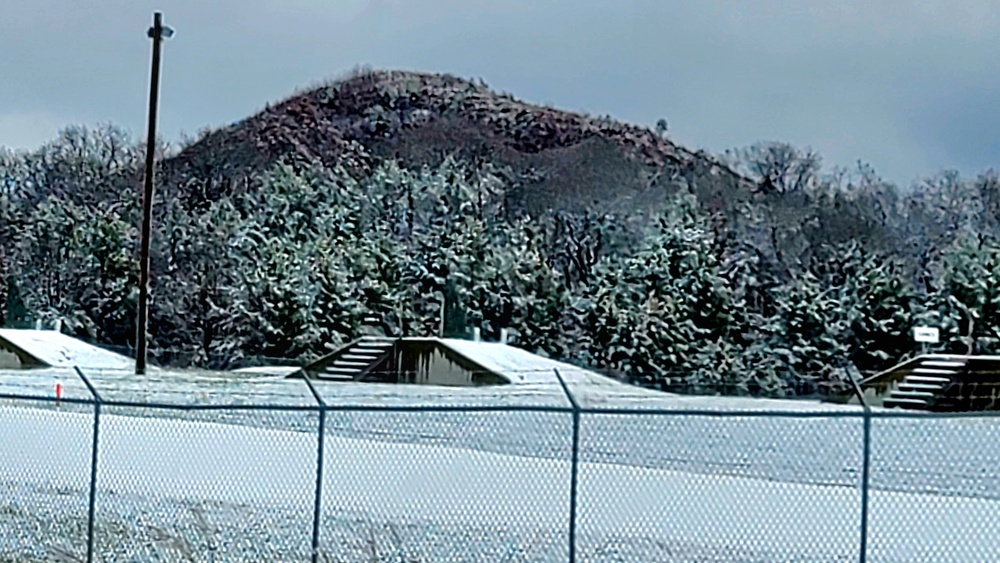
(386, 194)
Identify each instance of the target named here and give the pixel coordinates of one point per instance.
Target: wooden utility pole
(157, 33)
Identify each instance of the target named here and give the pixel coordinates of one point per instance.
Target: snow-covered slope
(523, 367)
(59, 350)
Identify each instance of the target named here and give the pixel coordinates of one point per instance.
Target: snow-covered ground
(487, 486)
(433, 503)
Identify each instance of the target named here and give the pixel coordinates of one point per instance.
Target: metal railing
(318, 474)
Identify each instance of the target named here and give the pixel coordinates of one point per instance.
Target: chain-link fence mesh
(935, 488)
(45, 471)
(178, 490)
(446, 486)
(198, 469)
(719, 487)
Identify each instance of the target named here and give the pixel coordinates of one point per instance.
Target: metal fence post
(574, 466)
(865, 467)
(93, 463)
(321, 440)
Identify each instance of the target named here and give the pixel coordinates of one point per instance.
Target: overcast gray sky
(911, 86)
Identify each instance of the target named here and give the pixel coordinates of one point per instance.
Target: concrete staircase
(924, 384)
(352, 362)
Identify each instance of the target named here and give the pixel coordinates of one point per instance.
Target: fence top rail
(721, 413)
(913, 414)
(486, 408)
(156, 405)
(347, 407)
(45, 399)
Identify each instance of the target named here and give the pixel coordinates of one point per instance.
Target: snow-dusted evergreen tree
(655, 316)
(884, 305)
(784, 291)
(964, 298)
(293, 288)
(807, 337)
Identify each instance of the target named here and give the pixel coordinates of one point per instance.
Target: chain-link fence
(309, 471)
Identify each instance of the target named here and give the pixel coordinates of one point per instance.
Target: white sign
(926, 334)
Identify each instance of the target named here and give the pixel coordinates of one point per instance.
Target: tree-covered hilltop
(758, 272)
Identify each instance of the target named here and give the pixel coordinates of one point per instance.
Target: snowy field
(441, 486)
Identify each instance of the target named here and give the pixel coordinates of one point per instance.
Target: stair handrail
(368, 369)
(907, 366)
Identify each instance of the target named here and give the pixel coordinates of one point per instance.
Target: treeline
(788, 291)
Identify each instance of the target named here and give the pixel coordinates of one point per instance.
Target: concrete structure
(48, 348)
(936, 382)
(444, 361)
